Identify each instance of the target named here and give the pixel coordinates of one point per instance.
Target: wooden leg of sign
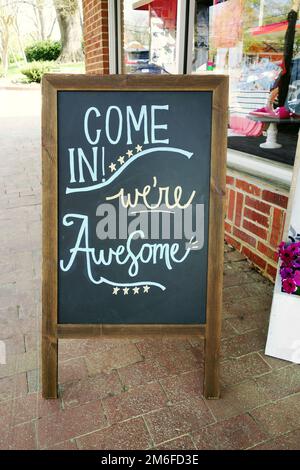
(49, 366)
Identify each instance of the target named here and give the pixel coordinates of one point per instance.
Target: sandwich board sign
(133, 207)
(283, 339)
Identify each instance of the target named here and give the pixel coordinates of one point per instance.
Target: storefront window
(149, 36)
(136, 37)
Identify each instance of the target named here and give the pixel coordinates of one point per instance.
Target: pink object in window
(245, 126)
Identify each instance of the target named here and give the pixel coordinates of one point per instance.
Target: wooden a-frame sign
(109, 143)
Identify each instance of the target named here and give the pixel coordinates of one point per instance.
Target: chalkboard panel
(134, 174)
(170, 148)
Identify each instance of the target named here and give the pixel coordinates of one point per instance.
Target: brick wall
(255, 220)
(95, 18)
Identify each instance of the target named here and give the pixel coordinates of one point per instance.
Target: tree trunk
(4, 34)
(68, 17)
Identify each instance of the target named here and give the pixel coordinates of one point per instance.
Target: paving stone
(73, 348)
(33, 380)
(66, 445)
(273, 362)
(71, 370)
(12, 387)
(91, 388)
(280, 416)
(134, 402)
(181, 443)
(281, 382)
(243, 344)
(174, 356)
(237, 369)
(26, 408)
(174, 421)
(142, 372)
(70, 423)
(129, 435)
(182, 387)
(19, 363)
(289, 441)
(20, 437)
(235, 433)
(119, 356)
(238, 399)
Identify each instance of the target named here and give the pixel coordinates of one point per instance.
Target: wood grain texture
(134, 330)
(49, 239)
(218, 85)
(216, 239)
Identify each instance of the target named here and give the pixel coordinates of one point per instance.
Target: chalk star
(129, 153)
(146, 289)
(136, 290)
(112, 167)
(115, 290)
(138, 148)
(126, 290)
(121, 160)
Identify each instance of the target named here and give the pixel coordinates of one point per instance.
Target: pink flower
(297, 278)
(289, 286)
(287, 257)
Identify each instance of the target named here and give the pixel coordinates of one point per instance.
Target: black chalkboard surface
(117, 143)
(134, 172)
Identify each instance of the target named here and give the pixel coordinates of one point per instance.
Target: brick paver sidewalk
(126, 394)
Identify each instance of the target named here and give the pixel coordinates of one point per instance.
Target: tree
(7, 17)
(68, 17)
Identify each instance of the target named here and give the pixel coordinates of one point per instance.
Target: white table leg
(271, 142)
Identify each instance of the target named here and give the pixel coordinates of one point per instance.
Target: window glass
(149, 36)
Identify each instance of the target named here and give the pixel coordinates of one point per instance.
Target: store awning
(271, 28)
(141, 4)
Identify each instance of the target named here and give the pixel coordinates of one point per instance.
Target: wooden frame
(211, 331)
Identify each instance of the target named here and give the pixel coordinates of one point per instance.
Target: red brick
(239, 208)
(256, 217)
(277, 226)
(20, 437)
(12, 387)
(245, 343)
(181, 387)
(174, 421)
(248, 187)
(70, 423)
(230, 180)
(280, 416)
(134, 402)
(74, 369)
(232, 242)
(255, 229)
(245, 237)
(275, 198)
(92, 388)
(227, 227)
(267, 251)
(257, 260)
(272, 271)
(289, 441)
(129, 435)
(66, 445)
(258, 205)
(235, 433)
(181, 443)
(231, 204)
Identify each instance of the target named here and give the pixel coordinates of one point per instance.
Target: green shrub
(35, 70)
(43, 50)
